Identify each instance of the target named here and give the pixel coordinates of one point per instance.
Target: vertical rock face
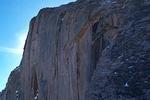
(86, 50)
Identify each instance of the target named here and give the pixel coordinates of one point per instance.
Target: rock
(84, 51)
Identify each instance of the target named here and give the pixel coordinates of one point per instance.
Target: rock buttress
(86, 50)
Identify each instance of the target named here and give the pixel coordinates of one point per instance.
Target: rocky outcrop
(86, 50)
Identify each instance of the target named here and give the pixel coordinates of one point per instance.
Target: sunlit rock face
(86, 50)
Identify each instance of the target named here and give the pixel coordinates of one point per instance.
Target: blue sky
(15, 16)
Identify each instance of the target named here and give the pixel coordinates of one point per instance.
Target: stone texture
(86, 50)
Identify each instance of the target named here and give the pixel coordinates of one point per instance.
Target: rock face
(86, 50)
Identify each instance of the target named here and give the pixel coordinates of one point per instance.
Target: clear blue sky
(14, 22)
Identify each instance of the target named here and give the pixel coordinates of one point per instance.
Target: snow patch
(130, 66)
(126, 85)
(16, 91)
(36, 96)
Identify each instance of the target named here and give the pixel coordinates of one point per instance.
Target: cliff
(86, 50)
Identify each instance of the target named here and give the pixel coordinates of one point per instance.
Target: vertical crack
(57, 41)
(34, 85)
(78, 72)
(98, 45)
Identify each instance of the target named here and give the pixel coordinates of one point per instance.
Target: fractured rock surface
(85, 50)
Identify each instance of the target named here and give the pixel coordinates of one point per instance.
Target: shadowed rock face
(86, 50)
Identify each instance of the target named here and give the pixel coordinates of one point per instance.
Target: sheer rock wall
(86, 50)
